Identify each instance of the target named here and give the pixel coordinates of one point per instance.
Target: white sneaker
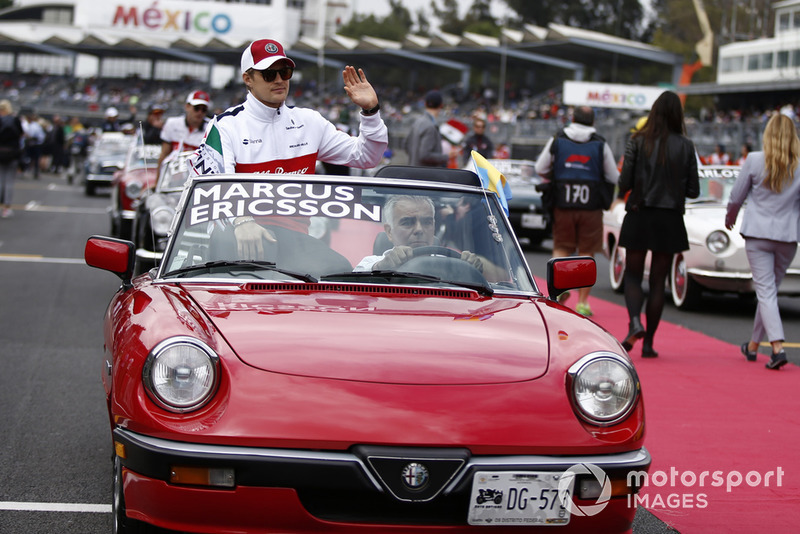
(7, 213)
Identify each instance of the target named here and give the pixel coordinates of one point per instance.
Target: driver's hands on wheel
(250, 238)
(472, 259)
(401, 254)
(394, 257)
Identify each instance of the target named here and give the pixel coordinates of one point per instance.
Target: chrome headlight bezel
(162, 371)
(161, 220)
(718, 241)
(585, 389)
(133, 189)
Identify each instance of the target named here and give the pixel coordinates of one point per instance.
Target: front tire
(685, 291)
(122, 523)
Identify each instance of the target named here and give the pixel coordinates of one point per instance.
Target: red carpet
(709, 410)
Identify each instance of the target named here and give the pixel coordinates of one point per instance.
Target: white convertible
(715, 261)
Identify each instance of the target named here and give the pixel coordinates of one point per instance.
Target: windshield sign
(217, 201)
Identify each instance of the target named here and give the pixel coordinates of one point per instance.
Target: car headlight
(718, 241)
(133, 189)
(181, 374)
(604, 388)
(161, 219)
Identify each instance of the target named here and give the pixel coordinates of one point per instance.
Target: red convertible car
(130, 185)
(403, 374)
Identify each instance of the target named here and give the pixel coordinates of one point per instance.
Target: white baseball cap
(262, 54)
(112, 112)
(197, 98)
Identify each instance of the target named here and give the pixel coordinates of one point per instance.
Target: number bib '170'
(579, 194)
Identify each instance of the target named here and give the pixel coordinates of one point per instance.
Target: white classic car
(715, 261)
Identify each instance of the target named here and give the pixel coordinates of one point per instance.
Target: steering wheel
(435, 250)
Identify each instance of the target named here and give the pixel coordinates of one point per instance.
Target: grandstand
(76, 57)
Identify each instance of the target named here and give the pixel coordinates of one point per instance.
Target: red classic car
(402, 372)
(130, 184)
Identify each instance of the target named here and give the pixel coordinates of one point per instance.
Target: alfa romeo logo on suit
(415, 476)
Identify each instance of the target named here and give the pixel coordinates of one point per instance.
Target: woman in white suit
(770, 180)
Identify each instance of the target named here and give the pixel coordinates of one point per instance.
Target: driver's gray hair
(388, 208)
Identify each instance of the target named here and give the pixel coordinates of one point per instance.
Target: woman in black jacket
(660, 172)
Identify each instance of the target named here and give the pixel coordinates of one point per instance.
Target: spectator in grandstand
(34, 139)
(185, 132)
(424, 141)
(719, 157)
(660, 172)
(770, 182)
(284, 139)
(10, 151)
(111, 122)
(745, 150)
(153, 125)
(477, 141)
(581, 167)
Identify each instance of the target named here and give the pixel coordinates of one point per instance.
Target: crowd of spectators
(62, 97)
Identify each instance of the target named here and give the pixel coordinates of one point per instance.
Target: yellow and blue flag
(492, 179)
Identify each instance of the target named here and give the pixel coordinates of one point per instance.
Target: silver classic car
(525, 212)
(716, 259)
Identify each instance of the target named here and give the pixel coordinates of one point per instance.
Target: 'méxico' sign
(609, 95)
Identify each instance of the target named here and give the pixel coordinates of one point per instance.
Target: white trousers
(768, 262)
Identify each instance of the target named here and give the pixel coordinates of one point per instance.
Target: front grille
(372, 507)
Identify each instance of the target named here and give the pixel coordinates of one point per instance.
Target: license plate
(532, 220)
(518, 498)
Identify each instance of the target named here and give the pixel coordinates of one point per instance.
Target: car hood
(703, 218)
(403, 340)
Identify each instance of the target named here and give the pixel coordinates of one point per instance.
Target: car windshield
(110, 146)
(143, 156)
(716, 183)
(518, 172)
(175, 172)
(349, 231)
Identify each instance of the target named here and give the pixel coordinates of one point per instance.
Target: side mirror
(111, 254)
(570, 273)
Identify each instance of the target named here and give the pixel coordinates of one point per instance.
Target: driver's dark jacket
(656, 185)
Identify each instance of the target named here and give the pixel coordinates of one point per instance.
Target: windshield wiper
(250, 265)
(386, 274)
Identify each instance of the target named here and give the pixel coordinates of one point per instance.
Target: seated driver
(409, 223)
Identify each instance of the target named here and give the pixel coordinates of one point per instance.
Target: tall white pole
(321, 23)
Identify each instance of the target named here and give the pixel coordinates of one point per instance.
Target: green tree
(477, 20)
(623, 18)
(396, 25)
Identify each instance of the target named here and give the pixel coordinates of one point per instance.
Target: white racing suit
(253, 137)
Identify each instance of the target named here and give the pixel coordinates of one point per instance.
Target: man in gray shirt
(424, 142)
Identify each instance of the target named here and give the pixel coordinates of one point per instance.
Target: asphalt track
(54, 433)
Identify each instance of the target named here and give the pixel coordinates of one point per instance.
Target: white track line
(24, 258)
(55, 507)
